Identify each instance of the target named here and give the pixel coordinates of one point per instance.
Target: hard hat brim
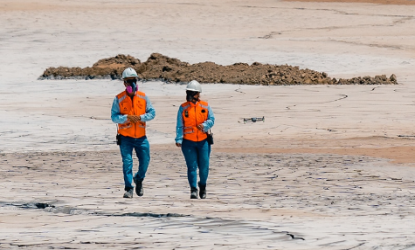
(195, 90)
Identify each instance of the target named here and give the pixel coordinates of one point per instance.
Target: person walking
(131, 109)
(194, 119)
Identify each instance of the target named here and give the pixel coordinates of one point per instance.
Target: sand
(392, 2)
(331, 167)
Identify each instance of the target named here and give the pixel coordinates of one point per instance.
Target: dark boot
(139, 187)
(193, 193)
(202, 191)
(128, 193)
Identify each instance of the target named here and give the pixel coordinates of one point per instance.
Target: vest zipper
(197, 132)
(134, 124)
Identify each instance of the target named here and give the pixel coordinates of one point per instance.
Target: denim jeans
(142, 150)
(197, 156)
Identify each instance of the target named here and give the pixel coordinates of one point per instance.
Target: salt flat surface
(344, 40)
(302, 179)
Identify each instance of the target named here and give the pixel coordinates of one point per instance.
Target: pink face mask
(132, 88)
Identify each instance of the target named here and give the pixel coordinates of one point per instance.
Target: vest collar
(193, 104)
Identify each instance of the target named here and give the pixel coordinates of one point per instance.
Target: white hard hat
(194, 86)
(129, 72)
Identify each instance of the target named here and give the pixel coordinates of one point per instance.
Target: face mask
(132, 87)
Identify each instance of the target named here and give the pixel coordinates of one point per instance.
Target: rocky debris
(160, 67)
(104, 68)
(116, 62)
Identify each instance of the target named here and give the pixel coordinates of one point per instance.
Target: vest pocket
(141, 124)
(125, 126)
(188, 130)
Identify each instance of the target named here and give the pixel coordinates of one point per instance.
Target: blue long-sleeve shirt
(208, 124)
(117, 117)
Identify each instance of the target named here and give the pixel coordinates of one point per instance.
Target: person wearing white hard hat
(195, 118)
(131, 109)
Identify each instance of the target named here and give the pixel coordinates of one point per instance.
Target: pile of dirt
(160, 67)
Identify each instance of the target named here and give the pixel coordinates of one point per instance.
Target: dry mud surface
(332, 166)
(393, 2)
(160, 67)
(255, 201)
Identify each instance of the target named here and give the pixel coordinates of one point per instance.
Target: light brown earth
(398, 151)
(161, 67)
(394, 2)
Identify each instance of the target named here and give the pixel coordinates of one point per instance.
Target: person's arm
(116, 115)
(179, 127)
(150, 111)
(208, 124)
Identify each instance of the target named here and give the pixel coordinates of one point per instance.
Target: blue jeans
(197, 156)
(142, 150)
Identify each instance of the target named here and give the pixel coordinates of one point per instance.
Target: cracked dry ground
(292, 201)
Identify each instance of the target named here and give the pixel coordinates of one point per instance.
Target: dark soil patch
(160, 67)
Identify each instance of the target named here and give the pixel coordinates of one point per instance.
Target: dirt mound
(160, 67)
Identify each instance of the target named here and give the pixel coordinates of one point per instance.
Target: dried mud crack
(160, 67)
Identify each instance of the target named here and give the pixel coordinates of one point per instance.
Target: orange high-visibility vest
(193, 115)
(136, 106)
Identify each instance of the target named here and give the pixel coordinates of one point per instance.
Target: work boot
(128, 194)
(193, 193)
(202, 191)
(139, 187)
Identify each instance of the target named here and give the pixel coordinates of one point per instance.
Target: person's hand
(134, 118)
(131, 118)
(179, 145)
(200, 127)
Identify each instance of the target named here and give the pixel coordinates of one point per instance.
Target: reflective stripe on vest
(136, 106)
(193, 115)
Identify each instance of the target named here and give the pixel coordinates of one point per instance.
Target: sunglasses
(131, 81)
(192, 93)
